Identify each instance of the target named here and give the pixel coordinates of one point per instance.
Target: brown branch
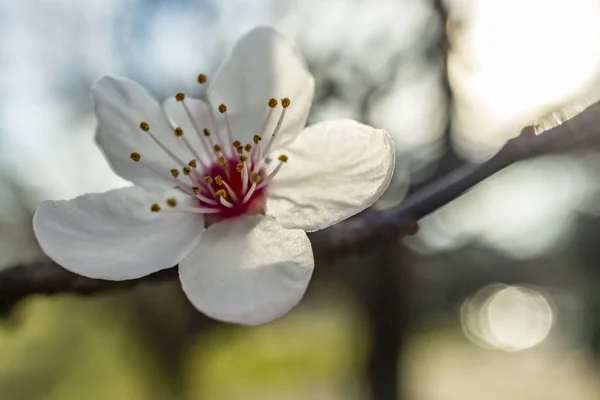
(365, 231)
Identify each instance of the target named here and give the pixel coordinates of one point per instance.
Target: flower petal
(264, 64)
(114, 235)
(335, 170)
(120, 106)
(247, 270)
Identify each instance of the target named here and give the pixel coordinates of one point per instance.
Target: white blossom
(225, 187)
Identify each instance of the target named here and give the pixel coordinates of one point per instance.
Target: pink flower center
(227, 178)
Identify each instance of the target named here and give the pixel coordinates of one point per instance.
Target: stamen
(199, 196)
(248, 148)
(155, 208)
(257, 154)
(188, 112)
(219, 180)
(282, 160)
(186, 170)
(225, 202)
(223, 110)
(213, 118)
(208, 136)
(249, 193)
(234, 197)
(222, 193)
(172, 202)
(244, 171)
(285, 103)
(193, 164)
(146, 128)
(208, 179)
(136, 157)
(202, 79)
(212, 191)
(179, 133)
(272, 103)
(254, 177)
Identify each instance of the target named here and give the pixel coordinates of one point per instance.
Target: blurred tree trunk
(388, 304)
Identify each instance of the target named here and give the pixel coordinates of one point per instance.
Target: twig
(367, 230)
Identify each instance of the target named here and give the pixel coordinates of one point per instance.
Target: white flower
(213, 190)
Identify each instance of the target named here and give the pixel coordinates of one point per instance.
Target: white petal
(247, 270)
(120, 106)
(264, 64)
(335, 170)
(114, 235)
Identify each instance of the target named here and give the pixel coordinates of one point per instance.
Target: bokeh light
(510, 318)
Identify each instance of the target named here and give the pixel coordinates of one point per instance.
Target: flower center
(228, 178)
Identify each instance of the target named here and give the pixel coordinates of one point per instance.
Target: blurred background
(497, 297)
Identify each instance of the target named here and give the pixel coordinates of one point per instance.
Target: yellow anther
(193, 164)
(222, 108)
(240, 149)
(186, 170)
(206, 132)
(239, 167)
(178, 132)
(208, 179)
(201, 79)
(144, 126)
(219, 180)
(196, 190)
(221, 193)
(272, 102)
(237, 143)
(180, 96)
(248, 147)
(172, 202)
(257, 139)
(283, 158)
(155, 207)
(255, 178)
(135, 157)
(285, 102)
(175, 173)
(222, 160)
(243, 158)
(218, 148)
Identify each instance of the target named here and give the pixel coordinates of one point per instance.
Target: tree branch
(365, 231)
